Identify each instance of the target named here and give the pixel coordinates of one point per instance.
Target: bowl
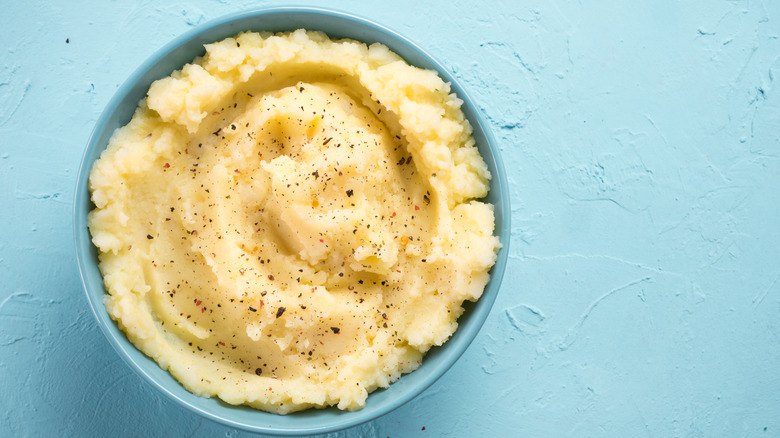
(119, 111)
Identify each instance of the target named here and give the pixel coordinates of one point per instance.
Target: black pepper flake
(336, 330)
(316, 174)
(258, 371)
(217, 131)
(401, 161)
(350, 192)
(271, 277)
(149, 236)
(252, 309)
(327, 141)
(280, 311)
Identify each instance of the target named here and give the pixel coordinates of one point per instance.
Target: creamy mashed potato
(292, 221)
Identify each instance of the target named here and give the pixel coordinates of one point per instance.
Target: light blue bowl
(119, 111)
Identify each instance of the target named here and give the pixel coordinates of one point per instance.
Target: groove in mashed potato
(292, 221)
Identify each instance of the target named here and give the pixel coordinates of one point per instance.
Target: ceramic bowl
(119, 111)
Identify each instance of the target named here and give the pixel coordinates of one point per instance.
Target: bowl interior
(119, 111)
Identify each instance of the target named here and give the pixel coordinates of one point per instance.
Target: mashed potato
(292, 221)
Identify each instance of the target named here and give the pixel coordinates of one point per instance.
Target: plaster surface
(642, 143)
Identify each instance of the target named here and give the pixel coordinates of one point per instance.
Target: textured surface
(642, 144)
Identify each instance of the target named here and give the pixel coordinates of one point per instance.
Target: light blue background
(642, 144)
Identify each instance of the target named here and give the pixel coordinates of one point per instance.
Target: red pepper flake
(322, 241)
(198, 302)
(416, 207)
(221, 343)
(392, 215)
(203, 309)
(423, 428)
(167, 165)
(236, 170)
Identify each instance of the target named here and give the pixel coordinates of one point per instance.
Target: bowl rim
(478, 312)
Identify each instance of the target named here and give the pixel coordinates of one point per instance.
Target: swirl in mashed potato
(292, 221)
